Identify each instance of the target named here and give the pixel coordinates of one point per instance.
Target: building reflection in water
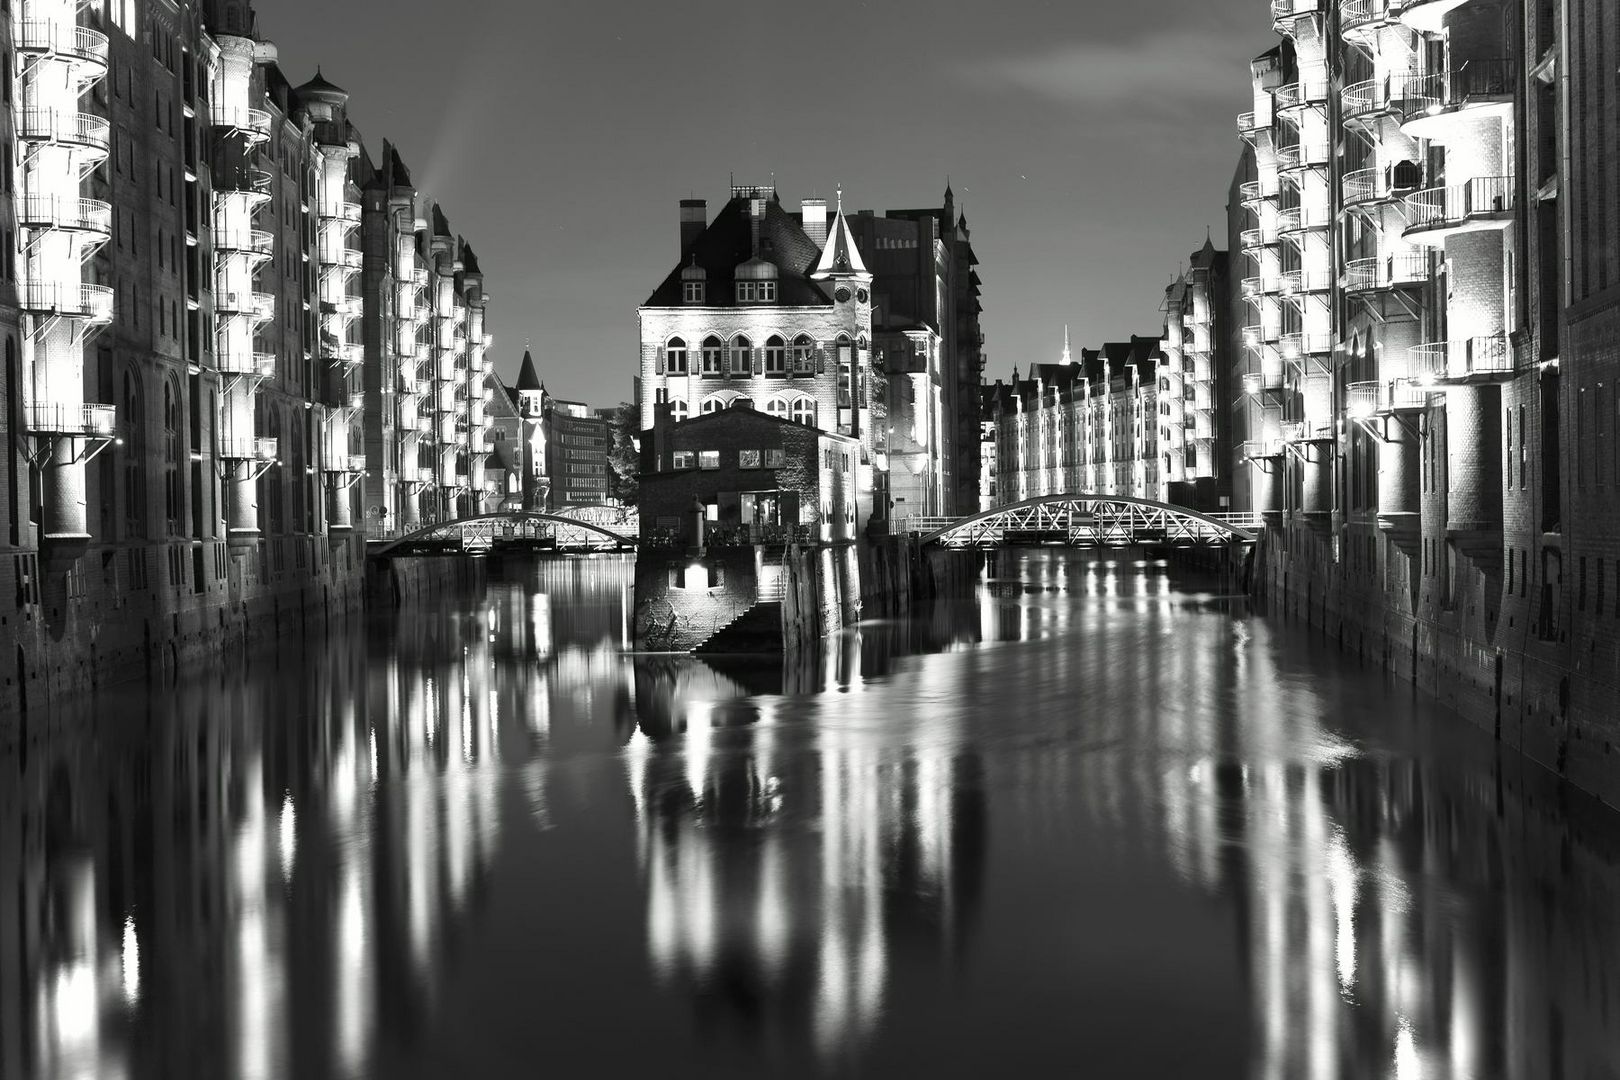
(271, 873)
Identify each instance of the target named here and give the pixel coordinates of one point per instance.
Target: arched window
(677, 410)
(803, 411)
(804, 362)
(846, 373)
(712, 356)
(741, 402)
(775, 356)
(742, 353)
(777, 407)
(675, 356)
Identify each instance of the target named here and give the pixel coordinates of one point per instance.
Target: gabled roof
(744, 416)
(528, 378)
(728, 242)
(469, 260)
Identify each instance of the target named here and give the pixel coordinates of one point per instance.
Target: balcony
(1296, 347)
(1284, 13)
(1428, 15)
(1305, 282)
(1486, 358)
(255, 242)
(1253, 192)
(253, 305)
(59, 37)
(1295, 219)
(1261, 449)
(343, 352)
(254, 123)
(1396, 271)
(1302, 156)
(66, 127)
(1307, 93)
(96, 421)
(1384, 398)
(253, 365)
(1365, 100)
(1474, 89)
(1256, 335)
(90, 216)
(1255, 287)
(1252, 125)
(1485, 202)
(93, 303)
(1252, 239)
(249, 448)
(348, 307)
(1361, 18)
(1298, 431)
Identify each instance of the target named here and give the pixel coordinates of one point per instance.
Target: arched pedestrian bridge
(564, 532)
(1088, 521)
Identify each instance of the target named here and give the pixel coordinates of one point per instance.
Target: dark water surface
(1100, 822)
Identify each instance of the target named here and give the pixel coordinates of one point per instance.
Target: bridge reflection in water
(1097, 805)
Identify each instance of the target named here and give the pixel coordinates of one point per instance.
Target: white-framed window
(765, 292)
(748, 459)
(713, 353)
(804, 360)
(745, 292)
(742, 355)
(678, 410)
(708, 459)
(684, 459)
(675, 356)
(693, 292)
(777, 407)
(803, 411)
(775, 356)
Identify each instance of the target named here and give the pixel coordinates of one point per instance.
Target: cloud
(1160, 75)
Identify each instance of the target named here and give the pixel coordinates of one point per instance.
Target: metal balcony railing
(1299, 345)
(58, 212)
(1255, 191)
(1417, 93)
(250, 241)
(1359, 16)
(1361, 399)
(1255, 449)
(343, 352)
(1363, 186)
(1260, 237)
(72, 300)
(1367, 98)
(1301, 282)
(1487, 356)
(258, 365)
(58, 37)
(1483, 198)
(1475, 80)
(1294, 431)
(1385, 272)
(254, 122)
(1302, 156)
(1255, 287)
(68, 127)
(254, 305)
(1252, 124)
(1295, 219)
(1299, 95)
(45, 418)
(350, 307)
(1284, 12)
(249, 448)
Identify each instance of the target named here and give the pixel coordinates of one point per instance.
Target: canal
(1101, 820)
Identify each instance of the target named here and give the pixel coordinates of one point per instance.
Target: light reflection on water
(1099, 816)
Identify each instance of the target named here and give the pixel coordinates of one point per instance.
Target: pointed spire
(839, 255)
(1067, 359)
(528, 377)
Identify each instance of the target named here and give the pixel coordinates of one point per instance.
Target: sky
(1090, 142)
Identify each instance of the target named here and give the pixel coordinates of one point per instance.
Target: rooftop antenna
(840, 198)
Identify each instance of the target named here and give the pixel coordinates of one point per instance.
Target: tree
(624, 455)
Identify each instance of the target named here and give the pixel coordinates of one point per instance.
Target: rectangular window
(684, 459)
(745, 292)
(708, 459)
(773, 459)
(692, 292)
(765, 292)
(775, 357)
(740, 359)
(748, 459)
(711, 359)
(1524, 450)
(675, 360)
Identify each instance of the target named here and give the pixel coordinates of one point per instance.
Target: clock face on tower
(842, 295)
(860, 294)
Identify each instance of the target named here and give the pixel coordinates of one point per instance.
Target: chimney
(694, 219)
(814, 213)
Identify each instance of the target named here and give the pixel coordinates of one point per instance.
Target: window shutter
(759, 360)
(660, 359)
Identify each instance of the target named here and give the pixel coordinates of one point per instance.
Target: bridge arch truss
(1092, 521)
(513, 529)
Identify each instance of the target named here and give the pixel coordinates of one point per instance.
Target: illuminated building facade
(1086, 426)
(1192, 384)
(203, 368)
(1429, 370)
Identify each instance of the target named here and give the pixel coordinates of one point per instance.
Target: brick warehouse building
(1426, 211)
(205, 360)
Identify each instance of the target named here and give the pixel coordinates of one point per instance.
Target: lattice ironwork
(509, 529)
(1094, 521)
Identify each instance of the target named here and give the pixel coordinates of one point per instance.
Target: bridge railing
(1102, 520)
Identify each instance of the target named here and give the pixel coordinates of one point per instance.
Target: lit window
(675, 356)
(684, 459)
(777, 407)
(766, 292)
(692, 292)
(803, 356)
(712, 403)
(712, 352)
(748, 459)
(804, 412)
(745, 292)
(742, 352)
(708, 459)
(775, 356)
(773, 459)
(677, 410)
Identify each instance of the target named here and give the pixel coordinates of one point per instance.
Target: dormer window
(692, 292)
(756, 292)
